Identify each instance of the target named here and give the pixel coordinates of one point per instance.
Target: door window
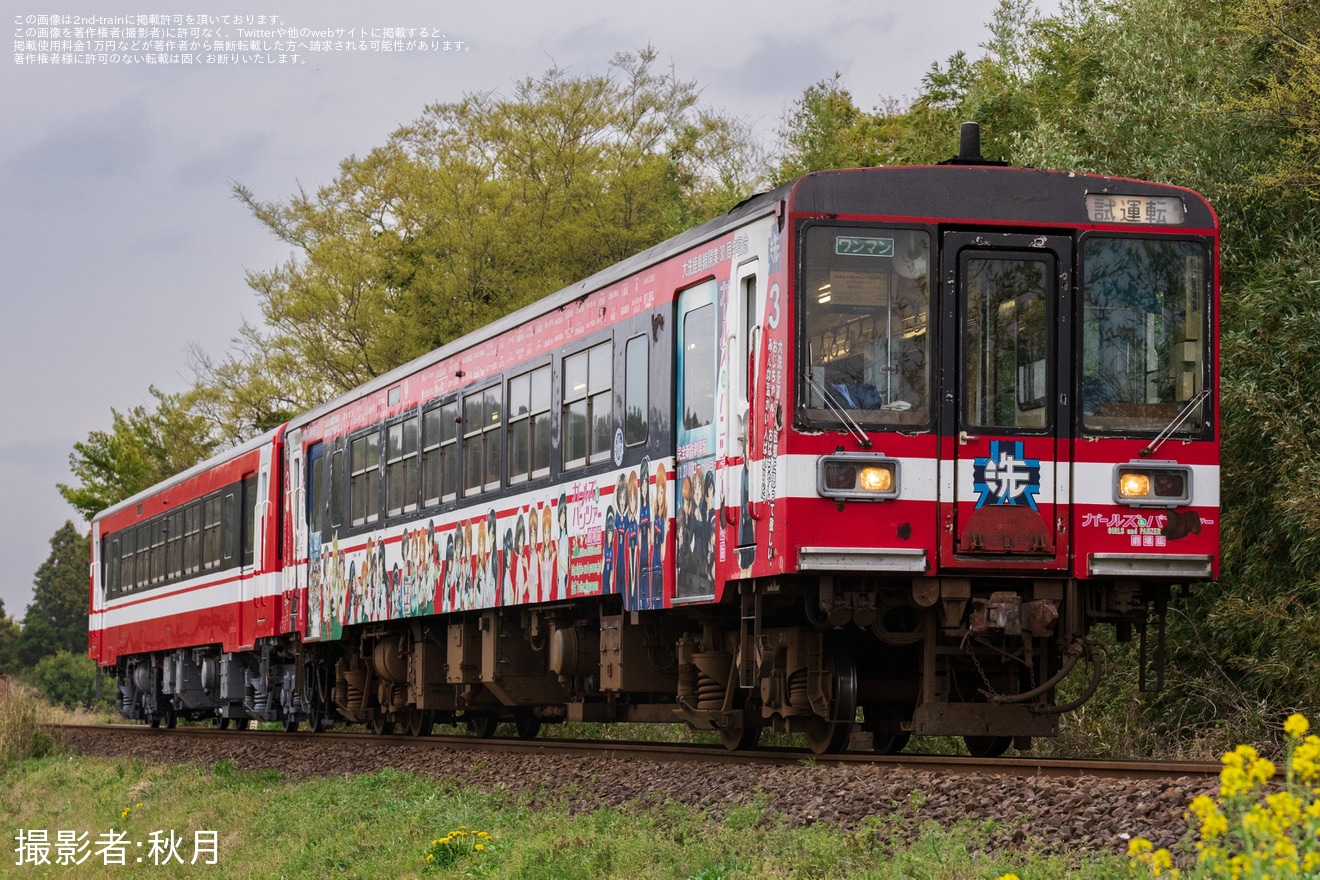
(1007, 342)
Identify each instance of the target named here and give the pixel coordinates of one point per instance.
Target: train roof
(196, 470)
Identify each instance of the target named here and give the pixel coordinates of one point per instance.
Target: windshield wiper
(853, 428)
(1174, 425)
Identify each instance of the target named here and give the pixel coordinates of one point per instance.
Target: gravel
(1060, 815)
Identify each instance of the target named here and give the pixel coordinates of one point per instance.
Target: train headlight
(1153, 484)
(1133, 485)
(857, 476)
(875, 479)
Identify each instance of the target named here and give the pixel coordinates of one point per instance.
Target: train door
(743, 327)
(1006, 340)
(696, 516)
(315, 512)
(295, 578)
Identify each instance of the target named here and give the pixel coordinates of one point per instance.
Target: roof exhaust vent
(969, 147)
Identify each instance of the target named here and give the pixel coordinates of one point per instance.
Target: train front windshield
(867, 345)
(1145, 334)
(866, 319)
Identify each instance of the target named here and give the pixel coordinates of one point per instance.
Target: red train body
(882, 444)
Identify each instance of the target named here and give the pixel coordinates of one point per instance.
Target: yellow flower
(1232, 780)
(479, 847)
(1009, 877)
(137, 805)
(1296, 726)
(430, 856)
(1214, 825)
(1139, 845)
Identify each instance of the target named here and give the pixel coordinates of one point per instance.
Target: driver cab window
(866, 308)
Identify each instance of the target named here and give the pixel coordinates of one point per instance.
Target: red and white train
(881, 444)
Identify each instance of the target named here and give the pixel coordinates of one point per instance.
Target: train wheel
(830, 737)
(987, 746)
(222, 723)
(527, 725)
(890, 743)
(290, 725)
(420, 723)
(737, 739)
(171, 717)
(381, 726)
(883, 720)
(482, 724)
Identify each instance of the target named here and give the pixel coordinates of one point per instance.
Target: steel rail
(1021, 765)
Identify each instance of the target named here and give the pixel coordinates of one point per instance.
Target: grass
(384, 825)
(21, 717)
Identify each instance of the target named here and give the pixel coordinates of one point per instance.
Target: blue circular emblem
(618, 446)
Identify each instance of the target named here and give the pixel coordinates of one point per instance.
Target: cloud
(111, 143)
(227, 162)
(778, 67)
(39, 456)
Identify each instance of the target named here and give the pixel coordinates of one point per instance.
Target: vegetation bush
(68, 680)
(21, 734)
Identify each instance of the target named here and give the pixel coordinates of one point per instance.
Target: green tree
(9, 632)
(1282, 93)
(66, 679)
(143, 447)
(826, 129)
(472, 210)
(56, 620)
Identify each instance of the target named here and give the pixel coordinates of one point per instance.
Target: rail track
(1020, 765)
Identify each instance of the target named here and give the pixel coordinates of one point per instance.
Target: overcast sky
(120, 241)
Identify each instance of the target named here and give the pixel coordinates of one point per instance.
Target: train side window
(142, 559)
(249, 518)
(123, 566)
(401, 472)
(744, 371)
(440, 463)
(126, 561)
(588, 414)
(227, 526)
(111, 576)
(192, 540)
(699, 368)
(364, 484)
(529, 425)
(636, 390)
(174, 546)
(337, 489)
(211, 532)
(483, 421)
(157, 551)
